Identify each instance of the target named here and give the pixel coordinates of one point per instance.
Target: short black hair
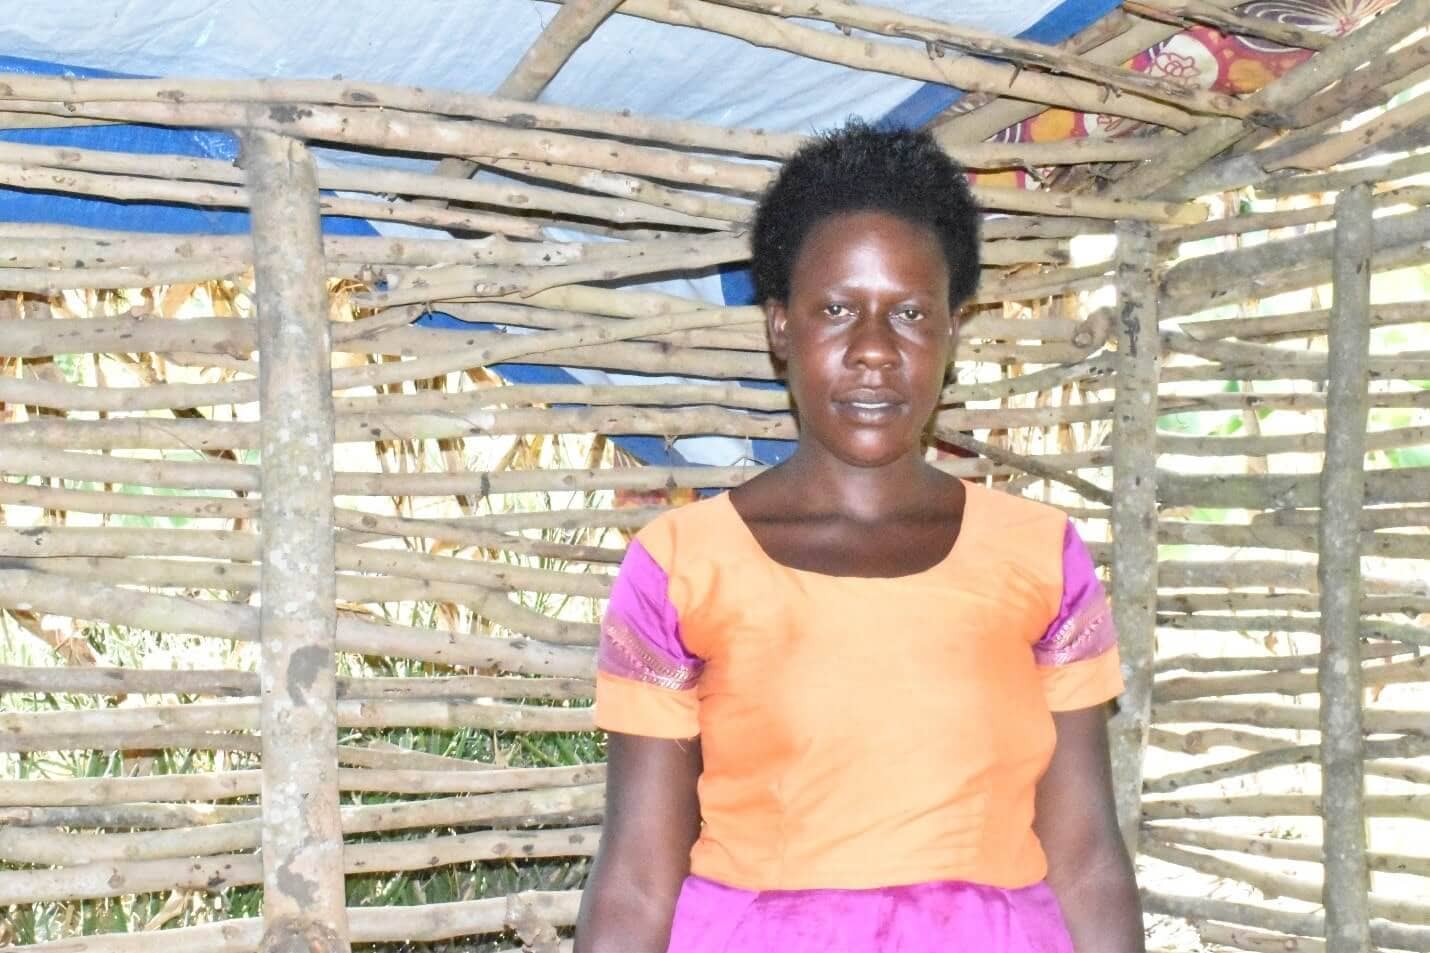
(858, 168)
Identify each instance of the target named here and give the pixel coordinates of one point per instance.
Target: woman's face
(865, 335)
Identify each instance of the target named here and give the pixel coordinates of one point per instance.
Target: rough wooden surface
(1342, 490)
(1134, 510)
(304, 907)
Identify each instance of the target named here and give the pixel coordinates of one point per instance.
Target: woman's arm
(652, 820)
(1088, 866)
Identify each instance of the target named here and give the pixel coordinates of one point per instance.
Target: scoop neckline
(753, 542)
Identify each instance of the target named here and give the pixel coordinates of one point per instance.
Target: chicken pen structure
(367, 412)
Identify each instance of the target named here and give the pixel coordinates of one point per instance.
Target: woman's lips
(871, 406)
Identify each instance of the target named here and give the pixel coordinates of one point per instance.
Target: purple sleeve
(640, 634)
(1083, 627)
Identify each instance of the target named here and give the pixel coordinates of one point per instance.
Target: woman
(857, 704)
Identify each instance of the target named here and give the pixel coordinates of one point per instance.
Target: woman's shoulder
(1012, 511)
(691, 531)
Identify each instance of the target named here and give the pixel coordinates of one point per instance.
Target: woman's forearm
(1100, 904)
(620, 916)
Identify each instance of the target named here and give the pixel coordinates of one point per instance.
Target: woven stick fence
(447, 650)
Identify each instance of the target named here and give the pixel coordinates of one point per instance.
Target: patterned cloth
(871, 746)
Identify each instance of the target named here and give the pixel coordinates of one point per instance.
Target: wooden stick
(965, 40)
(1269, 805)
(1178, 12)
(1169, 238)
(968, 73)
(120, 877)
(145, 816)
(219, 828)
(1134, 510)
(1111, 41)
(1278, 491)
(1343, 745)
(64, 396)
(409, 924)
(244, 716)
(20, 589)
(1281, 885)
(244, 547)
(1277, 847)
(1404, 747)
(987, 196)
(1287, 683)
(1274, 327)
(1373, 518)
(1273, 663)
(1223, 270)
(1282, 715)
(205, 435)
(1338, 60)
(371, 584)
(1411, 367)
(504, 196)
(1027, 464)
(1040, 226)
(204, 195)
(225, 785)
(633, 188)
(1283, 401)
(52, 281)
(429, 135)
(1366, 87)
(1342, 146)
(1285, 443)
(53, 847)
(1202, 740)
(243, 478)
(1240, 573)
(512, 113)
(24, 245)
(1249, 938)
(201, 507)
(72, 680)
(485, 282)
(573, 25)
(1343, 179)
(302, 836)
(1383, 933)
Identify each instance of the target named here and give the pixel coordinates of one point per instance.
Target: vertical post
(1346, 886)
(1134, 511)
(303, 898)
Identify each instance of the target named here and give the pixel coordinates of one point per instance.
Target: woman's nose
(871, 343)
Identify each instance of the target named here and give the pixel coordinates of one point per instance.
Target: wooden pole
(1337, 61)
(1134, 511)
(1346, 886)
(573, 25)
(304, 903)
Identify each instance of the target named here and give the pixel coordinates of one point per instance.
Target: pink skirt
(939, 917)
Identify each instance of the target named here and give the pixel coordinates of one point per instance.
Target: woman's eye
(837, 311)
(911, 314)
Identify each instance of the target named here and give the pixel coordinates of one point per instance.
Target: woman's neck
(864, 494)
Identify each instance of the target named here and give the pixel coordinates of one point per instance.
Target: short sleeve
(1077, 655)
(645, 677)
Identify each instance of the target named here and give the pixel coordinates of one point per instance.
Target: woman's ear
(777, 328)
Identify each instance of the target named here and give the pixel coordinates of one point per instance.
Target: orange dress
(860, 733)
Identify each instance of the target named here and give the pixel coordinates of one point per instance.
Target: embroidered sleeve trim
(624, 653)
(1087, 633)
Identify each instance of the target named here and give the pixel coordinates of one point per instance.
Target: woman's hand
(1088, 866)
(652, 820)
